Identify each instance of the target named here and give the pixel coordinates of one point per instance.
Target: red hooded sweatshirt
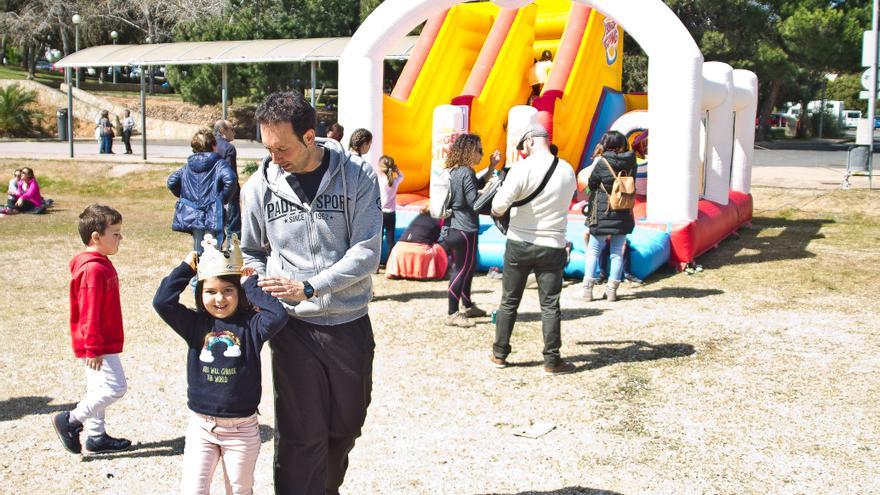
(95, 310)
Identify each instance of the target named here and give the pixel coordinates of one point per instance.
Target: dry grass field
(758, 375)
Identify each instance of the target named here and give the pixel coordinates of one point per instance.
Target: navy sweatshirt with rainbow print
(223, 364)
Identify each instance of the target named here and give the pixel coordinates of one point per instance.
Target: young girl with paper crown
(224, 335)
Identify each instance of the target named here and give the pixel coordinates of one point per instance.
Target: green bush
(830, 126)
(16, 116)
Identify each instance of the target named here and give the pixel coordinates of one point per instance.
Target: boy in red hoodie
(96, 332)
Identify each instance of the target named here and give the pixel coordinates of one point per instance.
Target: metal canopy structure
(222, 53)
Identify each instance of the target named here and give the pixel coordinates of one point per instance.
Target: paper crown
(214, 263)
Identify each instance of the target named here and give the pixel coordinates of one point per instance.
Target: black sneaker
(562, 368)
(67, 433)
(104, 443)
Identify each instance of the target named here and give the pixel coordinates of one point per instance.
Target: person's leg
(349, 353)
(323, 385)
(456, 241)
(388, 221)
(105, 386)
(618, 243)
(470, 268)
(239, 447)
(200, 456)
(302, 401)
(594, 250)
(615, 271)
(102, 144)
(513, 283)
(198, 236)
(233, 219)
(549, 265)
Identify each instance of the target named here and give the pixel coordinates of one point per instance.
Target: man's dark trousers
(521, 258)
(323, 381)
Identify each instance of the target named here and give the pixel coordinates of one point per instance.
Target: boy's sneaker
(474, 312)
(562, 368)
(67, 433)
(458, 319)
(104, 443)
(498, 362)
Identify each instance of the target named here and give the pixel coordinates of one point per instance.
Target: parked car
(776, 120)
(44, 65)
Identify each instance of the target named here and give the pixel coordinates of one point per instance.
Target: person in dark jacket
(224, 133)
(204, 185)
(464, 225)
(612, 152)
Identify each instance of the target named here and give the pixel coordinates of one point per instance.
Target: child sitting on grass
(224, 336)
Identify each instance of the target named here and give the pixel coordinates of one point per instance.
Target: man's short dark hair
(96, 218)
(287, 107)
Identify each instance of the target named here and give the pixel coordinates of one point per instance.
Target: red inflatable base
(713, 224)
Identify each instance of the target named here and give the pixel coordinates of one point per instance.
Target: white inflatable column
(745, 106)
(674, 98)
(718, 100)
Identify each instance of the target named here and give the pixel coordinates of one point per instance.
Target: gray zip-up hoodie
(333, 243)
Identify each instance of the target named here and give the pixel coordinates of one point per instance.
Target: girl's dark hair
(611, 141)
(389, 168)
(243, 303)
(463, 151)
(359, 138)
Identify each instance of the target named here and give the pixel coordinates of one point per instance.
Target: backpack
(440, 199)
(623, 191)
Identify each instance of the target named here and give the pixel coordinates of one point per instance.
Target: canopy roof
(222, 52)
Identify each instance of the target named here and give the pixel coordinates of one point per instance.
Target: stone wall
(87, 107)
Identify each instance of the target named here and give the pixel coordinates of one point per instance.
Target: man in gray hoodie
(311, 226)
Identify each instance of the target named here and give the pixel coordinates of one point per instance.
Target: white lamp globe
(76, 19)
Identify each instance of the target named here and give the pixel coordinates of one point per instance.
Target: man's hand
(95, 362)
(19, 202)
(287, 290)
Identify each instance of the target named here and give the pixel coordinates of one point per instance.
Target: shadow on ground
(633, 351)
(569, 490)
(790, 243)
(673, 292)
(19, 407)
(164, 448)
(422, 294)
(567, 314)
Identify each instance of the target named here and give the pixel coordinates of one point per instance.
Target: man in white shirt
(535, 243)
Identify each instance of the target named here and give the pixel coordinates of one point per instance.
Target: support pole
(69, 110)
(143, 116)
(224, 89)
(314, 72)
(872, 92)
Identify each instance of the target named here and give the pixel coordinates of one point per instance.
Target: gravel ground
(755, 376)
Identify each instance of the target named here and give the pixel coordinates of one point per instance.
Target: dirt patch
(757, 375)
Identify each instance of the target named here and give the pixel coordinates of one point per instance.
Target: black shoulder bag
(484, 202)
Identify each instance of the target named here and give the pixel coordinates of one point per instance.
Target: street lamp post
(76, 20)
(114, 35)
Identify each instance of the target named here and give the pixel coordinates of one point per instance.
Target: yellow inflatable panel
(407, 124)
(537, 27)
(595, 67)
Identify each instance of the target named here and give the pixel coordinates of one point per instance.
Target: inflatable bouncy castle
(471, 71)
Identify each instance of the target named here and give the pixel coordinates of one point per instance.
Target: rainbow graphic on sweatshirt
(227, 338)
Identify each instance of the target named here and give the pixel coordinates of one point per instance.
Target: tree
(846, 88)
(16, 113)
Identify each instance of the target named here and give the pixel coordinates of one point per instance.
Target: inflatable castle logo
(610, 40)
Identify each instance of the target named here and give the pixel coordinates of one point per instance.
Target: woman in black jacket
(612, 153)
